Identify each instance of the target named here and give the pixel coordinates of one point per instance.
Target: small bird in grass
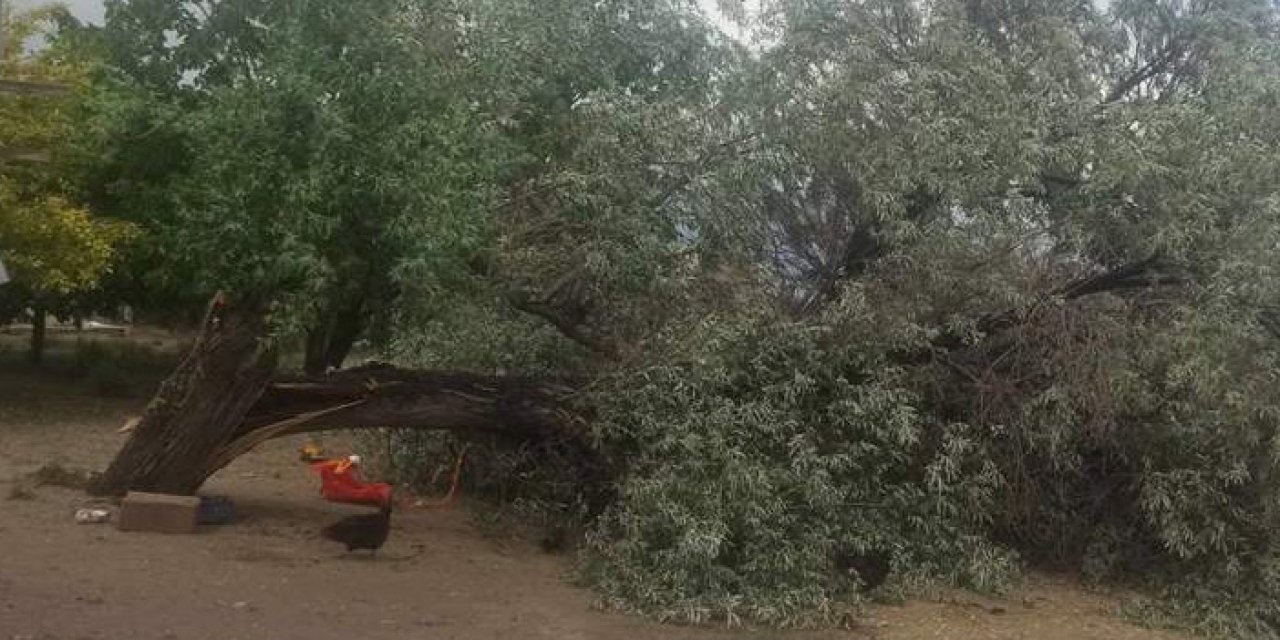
(364, 531)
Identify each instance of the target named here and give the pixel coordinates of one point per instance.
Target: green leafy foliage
(755, 474)
(963, 284)
(51, 246)
(312, 155)
(957, 162)
(56, 250)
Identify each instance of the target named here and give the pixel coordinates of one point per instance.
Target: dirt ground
(269, 576)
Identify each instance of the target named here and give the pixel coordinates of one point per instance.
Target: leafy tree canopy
(51, 244)
(955, 283)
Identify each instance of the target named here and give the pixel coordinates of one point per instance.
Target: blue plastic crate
(215, 510)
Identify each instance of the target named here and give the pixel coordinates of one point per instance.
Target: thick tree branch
(386, 396)
(1154, 67)
(566, 313)
(1143, 274)
(516, 409)
(571, 325)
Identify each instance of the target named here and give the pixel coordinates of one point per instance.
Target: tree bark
(329, 343)
(39, 323)
(314, 357)
(386, 396)
(199, 408)
(221, 404)
(513, 408)
(518, 410)
(347, 327)
(1141, 275)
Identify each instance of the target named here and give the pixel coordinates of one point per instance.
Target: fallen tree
(515, 409)
(200, 407)
(222, 401)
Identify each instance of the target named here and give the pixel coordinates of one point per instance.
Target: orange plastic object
(311, 452)
(339, 482)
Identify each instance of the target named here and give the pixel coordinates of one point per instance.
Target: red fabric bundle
(339, 482)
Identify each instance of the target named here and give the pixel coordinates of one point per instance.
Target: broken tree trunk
(519, 409)
(199, 408)
(180, 443)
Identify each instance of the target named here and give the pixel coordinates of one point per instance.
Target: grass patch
(53, 474)
(109, 367)
(21, 491)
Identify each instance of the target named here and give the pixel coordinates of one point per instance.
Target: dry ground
(269, 576)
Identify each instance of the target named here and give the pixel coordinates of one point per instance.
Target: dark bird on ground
(364, 531)
(871, 567)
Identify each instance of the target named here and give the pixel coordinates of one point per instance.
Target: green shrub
(755, 457)
(1138, 447)
(757, 465)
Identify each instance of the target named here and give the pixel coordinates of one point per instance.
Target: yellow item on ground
(311, 452)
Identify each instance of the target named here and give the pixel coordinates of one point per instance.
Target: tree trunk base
(199, 408)
(39, 325)
(221, 402)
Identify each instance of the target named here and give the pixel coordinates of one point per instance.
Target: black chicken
(364, 531)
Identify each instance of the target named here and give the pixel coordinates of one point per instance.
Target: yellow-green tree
(53, 247)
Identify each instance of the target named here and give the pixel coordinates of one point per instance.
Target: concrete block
(158, 512)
